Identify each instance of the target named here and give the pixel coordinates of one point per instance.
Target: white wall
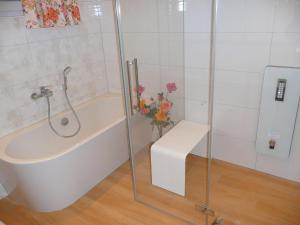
(250, 35)
(31, 58)
(153, 31)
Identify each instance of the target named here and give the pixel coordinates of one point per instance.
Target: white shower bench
(168, 155)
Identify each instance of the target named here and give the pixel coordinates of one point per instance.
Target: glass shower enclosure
(150, 35)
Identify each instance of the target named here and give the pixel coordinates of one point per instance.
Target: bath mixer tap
(66, 71)
(44, 92)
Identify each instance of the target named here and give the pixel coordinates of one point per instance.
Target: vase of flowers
(157, 109)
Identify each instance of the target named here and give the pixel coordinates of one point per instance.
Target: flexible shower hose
(74, 113)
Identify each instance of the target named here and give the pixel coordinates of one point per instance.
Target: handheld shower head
(66, 71)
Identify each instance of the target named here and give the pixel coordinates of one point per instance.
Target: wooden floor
(241, 196)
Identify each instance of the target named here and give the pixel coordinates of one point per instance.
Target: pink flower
(140, 89)
(166, 106)
(160, 97)
(145, 111)
(171, 87)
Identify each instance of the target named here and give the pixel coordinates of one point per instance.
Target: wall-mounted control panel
(278, 111)
(280, 90)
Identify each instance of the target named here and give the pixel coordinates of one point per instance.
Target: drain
(64, 122)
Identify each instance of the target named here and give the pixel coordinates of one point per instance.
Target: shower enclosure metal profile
(198, 207)
(124, 82)
(213, 24)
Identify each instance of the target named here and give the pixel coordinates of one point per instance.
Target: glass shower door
(151, 43)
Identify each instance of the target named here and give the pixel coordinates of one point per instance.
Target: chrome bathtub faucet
(45, 91)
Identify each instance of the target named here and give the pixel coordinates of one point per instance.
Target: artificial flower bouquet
(157, 109)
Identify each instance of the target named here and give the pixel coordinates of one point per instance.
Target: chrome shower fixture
(45, 91)
(66, 71)
(64, 121)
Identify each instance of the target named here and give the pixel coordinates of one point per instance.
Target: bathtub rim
(6, 140)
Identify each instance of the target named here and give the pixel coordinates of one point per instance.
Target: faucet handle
(45, 87)
(46, 91)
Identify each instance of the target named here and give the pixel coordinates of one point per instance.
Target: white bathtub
(48, 173)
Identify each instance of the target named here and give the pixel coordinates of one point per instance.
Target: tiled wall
(251, 34)
(153, 33)
(31, 58)
(197, 47)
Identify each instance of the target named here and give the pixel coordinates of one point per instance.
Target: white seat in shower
(168, 155)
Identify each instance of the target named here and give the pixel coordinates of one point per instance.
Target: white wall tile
(197, 16)
(170, 15)
(10, 9)
(243, 51)
(144, 46)
(15, 65)
(85, 49)
(171, 49)
(110, 47)
(196, 111)
(230, 16)
(234, 150)
(238, 88)
(287, 16)
(113, 76)
(87, 73)
(195, 89)
(259, 15)
(13, 97)
(201, 74)
(245, 16)
(12, 31)
(235, 122)
(197, 50)
(285, 49)
(107, 20)
(46, 55)
(139, 15)
(196, 93)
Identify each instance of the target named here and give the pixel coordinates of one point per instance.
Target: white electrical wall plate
(278, 111)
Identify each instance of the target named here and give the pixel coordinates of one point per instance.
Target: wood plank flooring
(241, 196)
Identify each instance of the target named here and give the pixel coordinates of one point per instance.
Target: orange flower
(52, 14)
(75, 12)
(165, 106)
(142, 103)
(30, 4)
(160, 116)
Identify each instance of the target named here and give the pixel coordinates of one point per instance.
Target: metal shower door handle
(128, 63)
(137, 83)
(134, 62)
